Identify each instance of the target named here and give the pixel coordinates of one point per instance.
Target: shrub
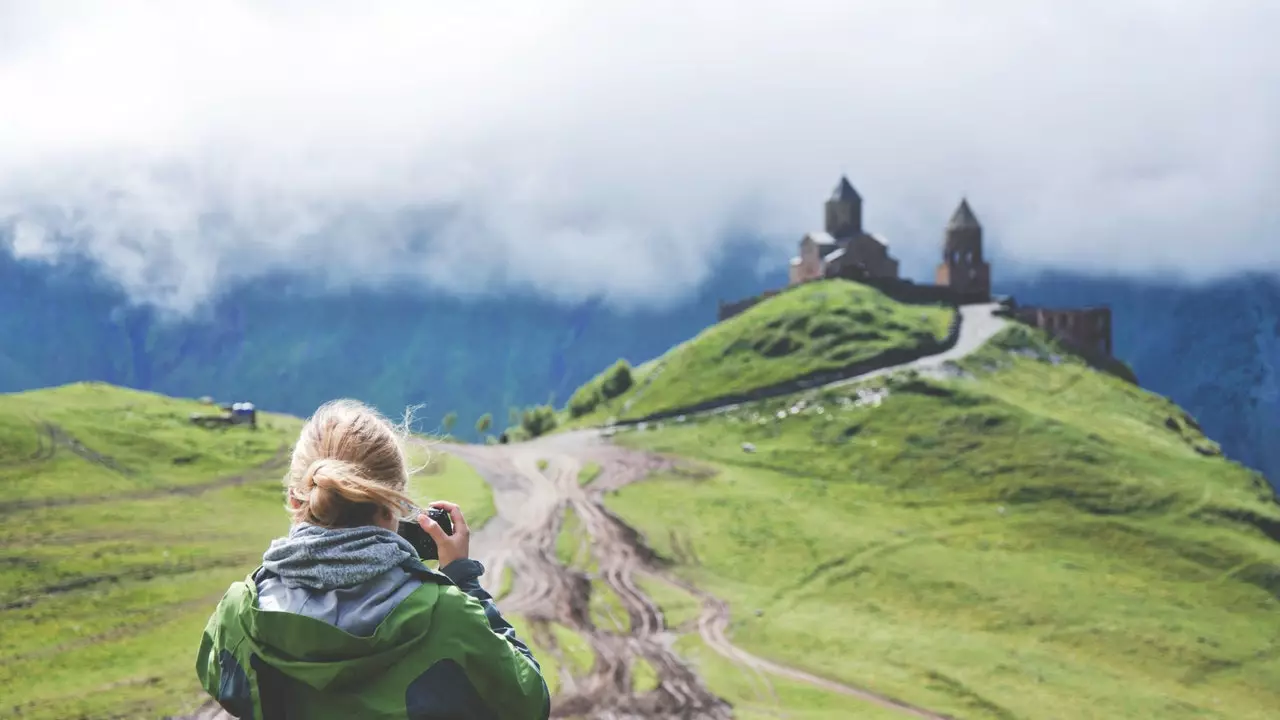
(606, 386)
(617, 380)
(538, 420)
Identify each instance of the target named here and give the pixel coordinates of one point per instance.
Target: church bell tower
(963, 267)
(844, 211)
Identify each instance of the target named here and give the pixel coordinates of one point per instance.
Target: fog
(585, 149)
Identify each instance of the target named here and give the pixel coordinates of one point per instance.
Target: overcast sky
(608, 147)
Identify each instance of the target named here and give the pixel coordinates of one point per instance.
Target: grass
(119, 536)
(679, 608)
(1032, 535)
(445, 477)
(643, 677)
(766, 698)
(590, 471)
(821, 326)
(559, 650)
(574, 551)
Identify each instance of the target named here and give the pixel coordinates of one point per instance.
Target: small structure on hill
(844, 249)
(240, 413)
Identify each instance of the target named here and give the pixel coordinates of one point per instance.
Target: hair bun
(348, 468)
(324, 483)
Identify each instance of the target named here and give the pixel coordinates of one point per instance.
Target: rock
(1208, 450)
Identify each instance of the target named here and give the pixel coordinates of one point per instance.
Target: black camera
(422, 542)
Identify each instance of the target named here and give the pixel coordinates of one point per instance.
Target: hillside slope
(1029, 538)
(121, 525)
(820, 326)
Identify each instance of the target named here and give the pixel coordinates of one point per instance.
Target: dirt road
(531, 502)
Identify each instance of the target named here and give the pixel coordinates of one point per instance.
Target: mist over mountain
(1212, 348)
(540, 143)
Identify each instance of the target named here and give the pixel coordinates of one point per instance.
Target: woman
(343, 620)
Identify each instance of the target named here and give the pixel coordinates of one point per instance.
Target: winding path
(545, 590)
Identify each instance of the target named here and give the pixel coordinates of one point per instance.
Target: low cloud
(579, 149)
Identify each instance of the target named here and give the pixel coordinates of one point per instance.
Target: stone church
(844, 245)
(846, 250)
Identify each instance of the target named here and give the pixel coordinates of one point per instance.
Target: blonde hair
(348, 466)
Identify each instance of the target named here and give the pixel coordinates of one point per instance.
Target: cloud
(578, 148)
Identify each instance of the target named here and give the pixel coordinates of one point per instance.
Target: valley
(995, 530)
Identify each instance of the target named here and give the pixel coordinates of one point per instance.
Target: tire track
(621, 466)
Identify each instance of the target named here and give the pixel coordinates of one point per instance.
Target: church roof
(844, 191)
(821, 238)
(963, 218)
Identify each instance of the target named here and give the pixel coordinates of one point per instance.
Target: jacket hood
(318, 654)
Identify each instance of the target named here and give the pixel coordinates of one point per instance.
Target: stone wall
(1085, 330)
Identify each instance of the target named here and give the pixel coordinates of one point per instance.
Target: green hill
(121, 525)
(819, 326)
(1027, 537)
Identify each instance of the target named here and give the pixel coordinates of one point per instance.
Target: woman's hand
(448, 547)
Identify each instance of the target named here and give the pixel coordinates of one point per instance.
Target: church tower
(963, 267)
(844, 212)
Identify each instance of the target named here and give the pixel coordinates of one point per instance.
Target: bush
(584, 400)
(538, 420)
(606, 386)
(617, 380)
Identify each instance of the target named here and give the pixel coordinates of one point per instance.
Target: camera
(410, 530)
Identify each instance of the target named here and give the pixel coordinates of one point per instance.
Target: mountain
(1214, 349)
(274, 343)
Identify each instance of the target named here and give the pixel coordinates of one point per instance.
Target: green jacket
(415, 646)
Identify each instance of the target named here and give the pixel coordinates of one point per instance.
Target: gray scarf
(327, 558)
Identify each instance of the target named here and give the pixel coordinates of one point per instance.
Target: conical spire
(844, 191)
(963, 218)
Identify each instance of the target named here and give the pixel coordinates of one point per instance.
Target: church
(845, 249)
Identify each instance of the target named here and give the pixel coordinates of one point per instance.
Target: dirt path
(530, 501)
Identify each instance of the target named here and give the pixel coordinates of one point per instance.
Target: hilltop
(121, 525)
(809, 329)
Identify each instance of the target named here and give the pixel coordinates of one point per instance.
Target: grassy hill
(1029, 538)
(819, 326)
(121, 525)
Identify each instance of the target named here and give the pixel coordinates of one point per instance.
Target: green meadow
(1029, 538)
(121, 525)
